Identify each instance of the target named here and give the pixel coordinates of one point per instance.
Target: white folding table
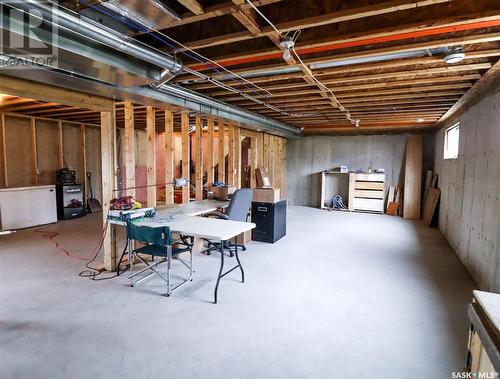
(183, 219)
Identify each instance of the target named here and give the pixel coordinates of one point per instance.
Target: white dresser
(22, 207)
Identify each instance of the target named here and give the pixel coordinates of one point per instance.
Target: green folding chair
(158, 242)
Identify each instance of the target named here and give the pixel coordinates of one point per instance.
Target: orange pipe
(362, 42)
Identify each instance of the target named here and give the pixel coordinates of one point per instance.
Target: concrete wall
(469, 212)
(308, 156)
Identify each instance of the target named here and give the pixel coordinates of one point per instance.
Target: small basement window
(451, 136)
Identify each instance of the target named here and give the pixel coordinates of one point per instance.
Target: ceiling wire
(217, 82)
(296, 35)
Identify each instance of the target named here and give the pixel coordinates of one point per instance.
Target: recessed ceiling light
(454, 54)
(420, 119)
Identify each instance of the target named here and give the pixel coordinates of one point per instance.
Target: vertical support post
(129, 149)
(284, 168)
(108, 178)
(253, 166)
(34, 158)
(185, 156)
(265, 152)
(60, 145)
(84, 164)
(221, 152)
(3, 153)
(260, 152)
(210, 151)
(237, 171)
(198, 159)
(230, 155)
(169, 157)
(151, 156)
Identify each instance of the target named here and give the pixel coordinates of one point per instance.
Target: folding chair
(158, 242)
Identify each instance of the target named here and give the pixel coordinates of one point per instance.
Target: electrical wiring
(295, 36)
(202, 59)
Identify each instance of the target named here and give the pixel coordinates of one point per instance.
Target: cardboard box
(266, 195)
(244, 238)
(262, 178)
(222, 193)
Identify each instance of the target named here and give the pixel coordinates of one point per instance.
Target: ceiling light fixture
(420, 119)
(454, 54)
(287, 44)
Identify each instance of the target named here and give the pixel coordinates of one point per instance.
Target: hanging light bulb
(287, 44)
(286, 54)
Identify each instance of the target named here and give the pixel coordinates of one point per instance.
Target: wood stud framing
(185, 156)
(169, 157)
(151, 157)
(198, 161)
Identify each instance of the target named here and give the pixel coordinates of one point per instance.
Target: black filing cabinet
(69, 201)
(270, 221)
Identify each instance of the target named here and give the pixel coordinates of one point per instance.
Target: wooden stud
(3, 153)
(129, 150)
(221, 152)
(237, 171)
(60, 144)
(198, 158)
(185, 156)
(210, 151)
(84, 164)
(151, 156)
(230, 155)
(107, 167)
(169, 157)
(34, 158)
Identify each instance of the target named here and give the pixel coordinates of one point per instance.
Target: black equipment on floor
(270, 221)
(69, 201)
(92, 203)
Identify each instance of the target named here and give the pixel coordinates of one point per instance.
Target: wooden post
(253, 165)
(169, 157)
(210, 151)
(230, 155)
(129, 149)
(34, 158)
(237, 171)
(151, 156)
(284, 168)
(84, 164)
(185, 156)
(3, 153)
(199, 159)
(60, 145)
(107, 167)
(265, 152)
(221, 150)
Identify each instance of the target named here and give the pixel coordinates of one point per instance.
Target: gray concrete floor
(342, 296)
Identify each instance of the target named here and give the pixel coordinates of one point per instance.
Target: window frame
(446, 150)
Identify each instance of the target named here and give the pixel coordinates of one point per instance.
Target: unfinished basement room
(249, 189)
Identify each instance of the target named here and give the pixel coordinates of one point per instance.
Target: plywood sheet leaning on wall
(430, 205)
(413, 177)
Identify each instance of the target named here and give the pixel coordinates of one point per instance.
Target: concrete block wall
(308, 156)
(469, 212)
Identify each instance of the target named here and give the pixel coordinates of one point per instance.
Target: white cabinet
(22, 207)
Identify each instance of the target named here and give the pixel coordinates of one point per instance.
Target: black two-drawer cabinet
(270, 221)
